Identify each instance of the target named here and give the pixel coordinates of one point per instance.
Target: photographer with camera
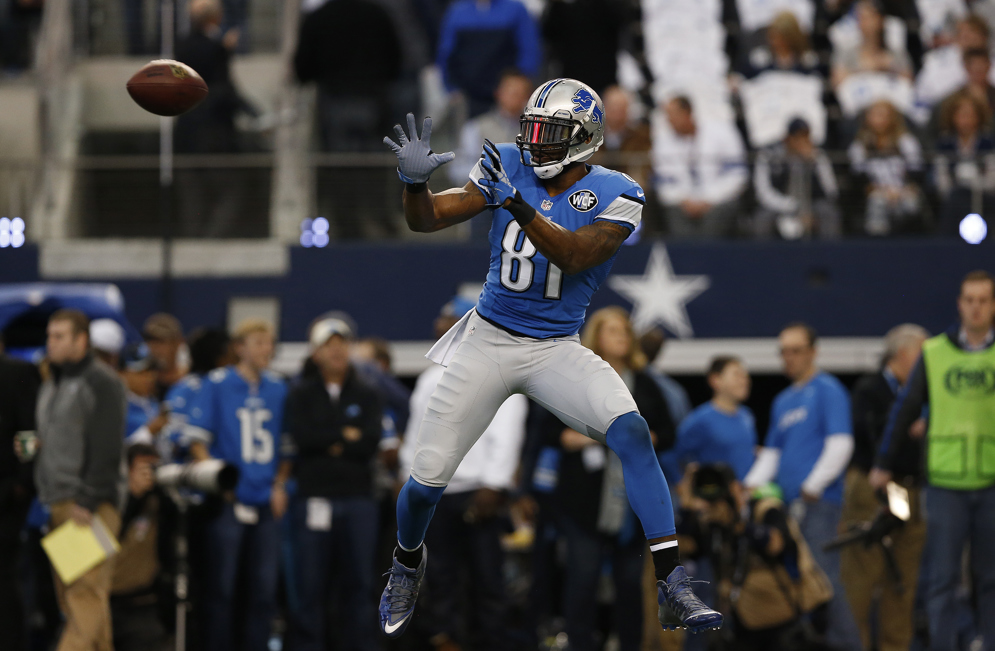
(866, 566)
(765, 575)
(146, 521)
(955, 377)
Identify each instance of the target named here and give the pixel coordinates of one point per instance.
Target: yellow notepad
(75, 549)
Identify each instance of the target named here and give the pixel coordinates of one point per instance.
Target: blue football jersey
(242, 424)
(524, 292)
(140, 411)
(181, 400)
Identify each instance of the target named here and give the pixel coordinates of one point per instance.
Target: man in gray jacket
(80, 422)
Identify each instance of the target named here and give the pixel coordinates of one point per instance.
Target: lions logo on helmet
(563, 123)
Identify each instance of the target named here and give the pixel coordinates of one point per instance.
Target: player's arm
(571, 251)
(424, 211)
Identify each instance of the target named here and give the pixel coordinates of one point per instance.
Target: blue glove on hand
(495, 184)
(415, 160)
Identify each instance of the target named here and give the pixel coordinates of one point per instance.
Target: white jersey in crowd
(708, 166)
(493, 459)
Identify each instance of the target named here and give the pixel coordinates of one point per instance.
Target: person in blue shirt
(722, 430)
(479, 40)
(210, 348)
(556, 225)
(807, 451)
(238, 417)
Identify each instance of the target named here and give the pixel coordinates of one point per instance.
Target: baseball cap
(327, 328)
(458, 306)
(107, 335)
(162, 327)
(137, 358)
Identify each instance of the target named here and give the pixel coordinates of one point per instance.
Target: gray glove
(415, 160)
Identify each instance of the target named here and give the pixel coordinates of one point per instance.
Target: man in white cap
(107, 340)
(335, 420)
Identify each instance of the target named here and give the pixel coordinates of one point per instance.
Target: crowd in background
(533, 545)
(792, 119)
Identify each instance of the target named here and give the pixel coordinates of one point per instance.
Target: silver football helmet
(564, 122)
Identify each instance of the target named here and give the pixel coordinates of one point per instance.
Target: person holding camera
(864, 568)
(335, 419)
(145, 525)
(807, 450)
(955, 377)
(764, 572)
(238, 418)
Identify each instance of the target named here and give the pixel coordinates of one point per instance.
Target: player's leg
(584, 392)
(468, 395)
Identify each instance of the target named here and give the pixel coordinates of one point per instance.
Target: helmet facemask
(547, 141)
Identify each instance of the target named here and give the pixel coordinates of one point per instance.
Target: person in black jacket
(19, 383)
(335, 420)
(590, 505)
(862, 568)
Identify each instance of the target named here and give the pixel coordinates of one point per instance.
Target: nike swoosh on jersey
(640, 194)
(390, 628)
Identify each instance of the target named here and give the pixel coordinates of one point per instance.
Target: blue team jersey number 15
(517, 267)
(257, 441)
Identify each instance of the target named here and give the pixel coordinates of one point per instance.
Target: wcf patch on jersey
(583, 200)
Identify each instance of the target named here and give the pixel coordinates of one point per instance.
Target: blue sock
(649, 496)
(415, 507)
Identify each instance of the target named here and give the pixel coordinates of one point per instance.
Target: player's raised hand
(495, 184)
(415, 159)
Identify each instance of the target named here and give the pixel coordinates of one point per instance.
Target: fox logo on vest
(971, 383)
(583, 200)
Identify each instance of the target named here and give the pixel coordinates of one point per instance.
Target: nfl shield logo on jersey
(583, 200)
(546, 204)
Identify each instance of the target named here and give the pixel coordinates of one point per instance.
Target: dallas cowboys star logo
(659, 297)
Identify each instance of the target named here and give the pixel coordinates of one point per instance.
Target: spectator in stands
(964, 164)
(465, 533)
(702, 172)
(591, 508)
(146, 526)
(953, 378)
(107, 341)
(796, 188)
(351, 49)
(977, 66)
(722, 430)
(163, 335)
(624, 136)
(500, 124)
(872, 55)
(943, 69)
(481, 38)
(887, 160)
(863, 569)
(787, 50)
(596, 63)
(209, 199)
(238, 417)
(652, 343)
(20, 22)
(80, 419)
(334, 418)
(144, 420)
(19, 383)
(807, 449)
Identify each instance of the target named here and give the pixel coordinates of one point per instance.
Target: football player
(556, 226)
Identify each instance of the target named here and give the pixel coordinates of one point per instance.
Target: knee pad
(629, 433)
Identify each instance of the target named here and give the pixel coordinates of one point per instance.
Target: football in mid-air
(167, 87)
